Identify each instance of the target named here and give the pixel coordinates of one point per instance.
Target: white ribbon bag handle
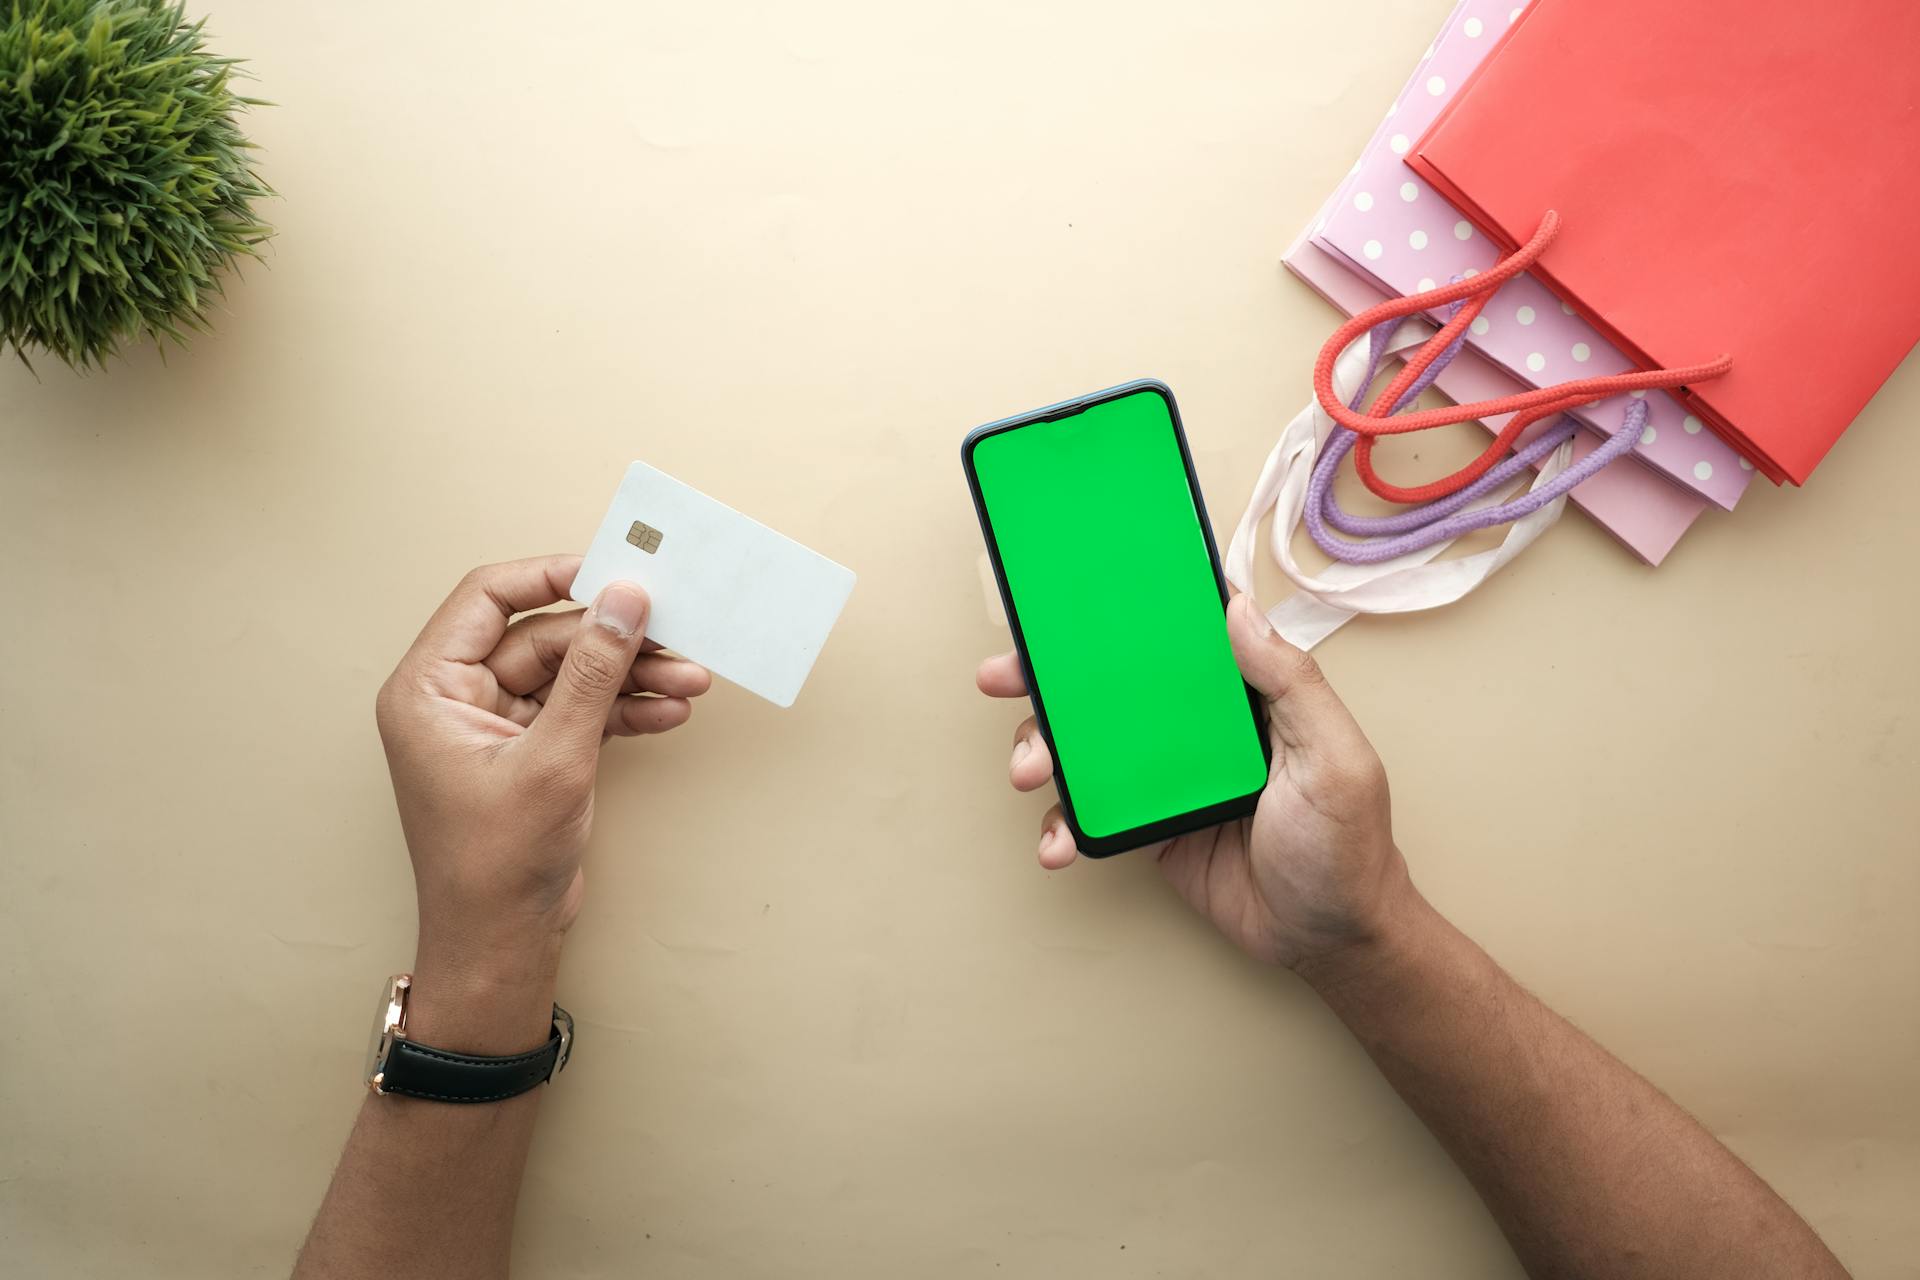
(1326, 601)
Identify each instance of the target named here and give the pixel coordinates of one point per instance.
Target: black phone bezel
(1176, 824)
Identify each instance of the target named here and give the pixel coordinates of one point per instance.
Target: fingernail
(620, 607)
(1020, 750)
(1258, 617)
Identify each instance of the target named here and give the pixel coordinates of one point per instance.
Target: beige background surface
(834, 1022)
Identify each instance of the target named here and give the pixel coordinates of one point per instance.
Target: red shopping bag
(1737, 176)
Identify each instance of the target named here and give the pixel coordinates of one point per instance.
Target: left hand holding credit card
(493, 726)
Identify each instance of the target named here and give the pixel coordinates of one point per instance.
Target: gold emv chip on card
(644, 536)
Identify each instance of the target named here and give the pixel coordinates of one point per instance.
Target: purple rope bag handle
(1441, 519)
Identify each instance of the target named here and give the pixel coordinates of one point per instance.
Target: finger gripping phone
(1106, 564)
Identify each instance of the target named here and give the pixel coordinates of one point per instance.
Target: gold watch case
(389, 1024)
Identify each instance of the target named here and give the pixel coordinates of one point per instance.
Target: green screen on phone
(1116, 601)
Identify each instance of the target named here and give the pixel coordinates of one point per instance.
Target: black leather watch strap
(417, 1071)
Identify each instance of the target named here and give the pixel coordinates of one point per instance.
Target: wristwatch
(396, 1064)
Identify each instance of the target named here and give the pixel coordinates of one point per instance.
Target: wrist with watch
(396, 1064)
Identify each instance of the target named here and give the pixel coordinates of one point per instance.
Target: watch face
(389, 1018)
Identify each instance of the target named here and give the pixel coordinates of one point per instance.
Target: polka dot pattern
(1409, 192)
(1463, 230)
(1581, 352)
(1363, 200)
(1416, 239)
(1524, 315)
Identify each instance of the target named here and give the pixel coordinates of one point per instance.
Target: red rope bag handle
(1527, 406)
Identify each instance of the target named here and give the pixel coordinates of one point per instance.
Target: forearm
(1589, 1170)
(428, 1188)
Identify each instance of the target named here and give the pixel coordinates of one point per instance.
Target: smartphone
(1112, 585)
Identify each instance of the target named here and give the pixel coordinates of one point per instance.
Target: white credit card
(750, 605)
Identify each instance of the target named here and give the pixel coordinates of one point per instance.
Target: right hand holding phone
(1315, 868)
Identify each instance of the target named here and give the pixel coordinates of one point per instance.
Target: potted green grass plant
(126, 189)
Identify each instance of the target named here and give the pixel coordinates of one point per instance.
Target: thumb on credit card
(575, 716)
